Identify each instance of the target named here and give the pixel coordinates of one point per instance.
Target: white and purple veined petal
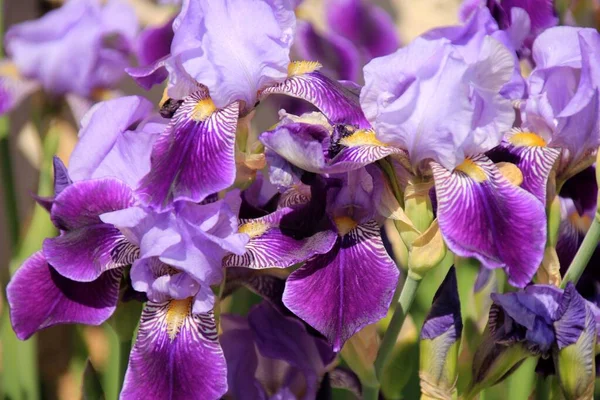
(176, 355)
(483, 215)
(275, 242)
(88, 247)
(194, 157)
(337, 101)
(351, 286)
(530, 153)
(39, 297)
(314, 148)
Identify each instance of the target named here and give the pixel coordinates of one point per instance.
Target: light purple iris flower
(523, 20)
(80, 48)
(441, 107)
(348, 279)
(222, 62)
(357, 32)
(266, 341)
(563, 104)
(175, 257)
(469, 38)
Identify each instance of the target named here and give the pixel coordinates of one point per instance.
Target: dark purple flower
(523, 20)
(357, 32)
(268, 341)
(79, 48)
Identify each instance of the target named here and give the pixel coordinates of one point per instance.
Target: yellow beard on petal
(302, 67)
(344, 224)
(581, 222)
(9, 70)
(360, 138)
(254, 229)
(473, 170)
(203, 109)
(177, 312)
(528, 139)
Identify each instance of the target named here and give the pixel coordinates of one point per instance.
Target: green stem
(582, 258)
(409, 290)
(8, 185)
(370, 392)
(124, 350)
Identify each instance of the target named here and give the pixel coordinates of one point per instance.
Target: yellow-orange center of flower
(529, 139)
(360, 138)
(302, 67)
(177, 312)
(344, 224)
(254, 228)
(203, 109)
(473, 170)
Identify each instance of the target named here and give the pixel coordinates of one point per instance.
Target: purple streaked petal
(359, 149)
(272, 246)
(338, 55)
(82, 203)
(338, 103)
(154, 43)
(194, 157)
(367, 26)
(176, 355)
(86, 253)
(444, 315)
(482, 215)
(572, 315)
(40, 297)
(534, 159)
(340, 292)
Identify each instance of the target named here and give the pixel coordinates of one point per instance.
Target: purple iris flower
(469, 39)
(523, 20)
(441, 109)
(220, 65)
(78, 49)
(357, 32)
(348, 278)
(563, 105)
(267, 341)
(541, 320)
(175, 257)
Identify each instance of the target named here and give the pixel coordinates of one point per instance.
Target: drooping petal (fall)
(482, 215)
(346, 289)
(194, 157)
(40, 297)
(176, 355)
